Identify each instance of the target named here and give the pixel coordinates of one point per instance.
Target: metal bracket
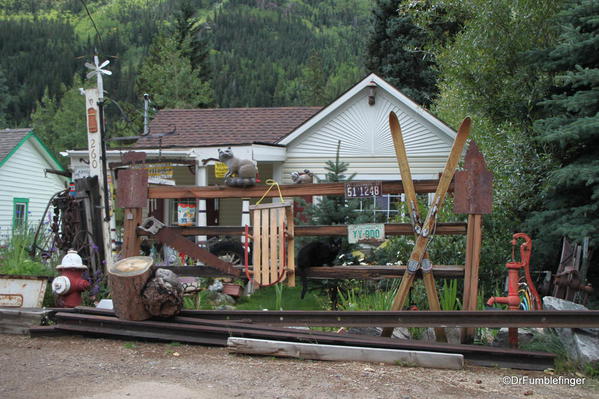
(427, 265)
(151, 225)
(413, 265)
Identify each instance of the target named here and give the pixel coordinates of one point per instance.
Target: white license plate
(365, 232)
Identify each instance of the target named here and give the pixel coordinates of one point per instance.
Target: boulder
(217, 299)
(582, 344)
(452, 334)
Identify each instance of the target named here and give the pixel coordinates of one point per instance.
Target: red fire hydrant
(512, 300)
(69, 285)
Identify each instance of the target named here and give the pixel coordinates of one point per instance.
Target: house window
(20, 211)
(384, 209)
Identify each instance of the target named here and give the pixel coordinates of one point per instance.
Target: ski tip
(466, 124)
(393, 121)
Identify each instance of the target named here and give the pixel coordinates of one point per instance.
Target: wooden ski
(417, 257)
(429, 223)
(412, 205)
(406, 174)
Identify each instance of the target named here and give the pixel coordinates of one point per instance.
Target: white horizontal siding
(23, 177)
(366, 168)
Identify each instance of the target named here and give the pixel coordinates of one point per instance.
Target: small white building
(287, 139)
(25, 187)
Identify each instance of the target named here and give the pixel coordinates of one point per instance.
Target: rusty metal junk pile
(215, 327)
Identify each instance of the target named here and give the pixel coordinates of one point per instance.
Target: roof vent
(371, 93)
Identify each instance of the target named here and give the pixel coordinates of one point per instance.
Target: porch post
(201, 221)
(245, 215)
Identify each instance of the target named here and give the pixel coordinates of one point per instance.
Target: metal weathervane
(97, 71)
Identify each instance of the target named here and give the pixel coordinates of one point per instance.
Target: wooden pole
(290, 247)
(131, 242)
(473, 246)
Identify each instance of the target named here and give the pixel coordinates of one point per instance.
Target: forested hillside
(260, 53)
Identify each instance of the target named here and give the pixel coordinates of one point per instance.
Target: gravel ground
(91, 368)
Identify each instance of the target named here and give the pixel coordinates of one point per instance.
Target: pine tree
(4, 99)
(61, 124)
(192, 39)
(334, 209)
(570, 129)
(168, 77)
(396, 52)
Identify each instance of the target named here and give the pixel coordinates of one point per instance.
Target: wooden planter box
(233, 290)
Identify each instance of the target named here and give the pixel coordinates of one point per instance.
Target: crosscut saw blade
(172, 238)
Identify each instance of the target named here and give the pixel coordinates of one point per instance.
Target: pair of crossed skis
(419, 257)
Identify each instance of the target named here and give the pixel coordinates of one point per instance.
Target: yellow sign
(160, 170)
(220, 170)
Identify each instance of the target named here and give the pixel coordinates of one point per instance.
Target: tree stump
(163, 295)
(127, 279)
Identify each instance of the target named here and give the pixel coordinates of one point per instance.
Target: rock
(582, 344)
(163, 294)
(525, 335)
(225, 307)
(401, 333)
(370, 331)
(553, 303)
(452, 333)
(216, 286)
(219, 299)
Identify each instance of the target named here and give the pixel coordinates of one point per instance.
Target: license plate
(365, 232)
(363, 189)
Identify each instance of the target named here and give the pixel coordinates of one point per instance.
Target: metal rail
(216, 332)
(487, 318)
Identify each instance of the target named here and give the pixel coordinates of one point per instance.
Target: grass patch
(550, 342)
(15, 259)
(266, 298)
(367, 295)
(129, 345)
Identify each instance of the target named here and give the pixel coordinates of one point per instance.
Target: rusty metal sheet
(132, 188)
(22, 291)
(134, 156)
(474, 185)
(11, 300)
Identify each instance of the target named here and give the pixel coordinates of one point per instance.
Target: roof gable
(225, 126)
(364, 130)
(12, 139)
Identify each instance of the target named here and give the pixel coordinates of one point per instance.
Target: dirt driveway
(78, 368)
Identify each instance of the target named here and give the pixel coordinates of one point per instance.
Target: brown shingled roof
(225, 126)
(9, 138)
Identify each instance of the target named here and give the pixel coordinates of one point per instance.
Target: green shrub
(15, 259)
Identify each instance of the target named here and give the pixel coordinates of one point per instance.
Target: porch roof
(225, 126)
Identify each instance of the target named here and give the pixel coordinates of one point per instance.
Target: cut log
(452, 361)
(163, 295)
(127, 279)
